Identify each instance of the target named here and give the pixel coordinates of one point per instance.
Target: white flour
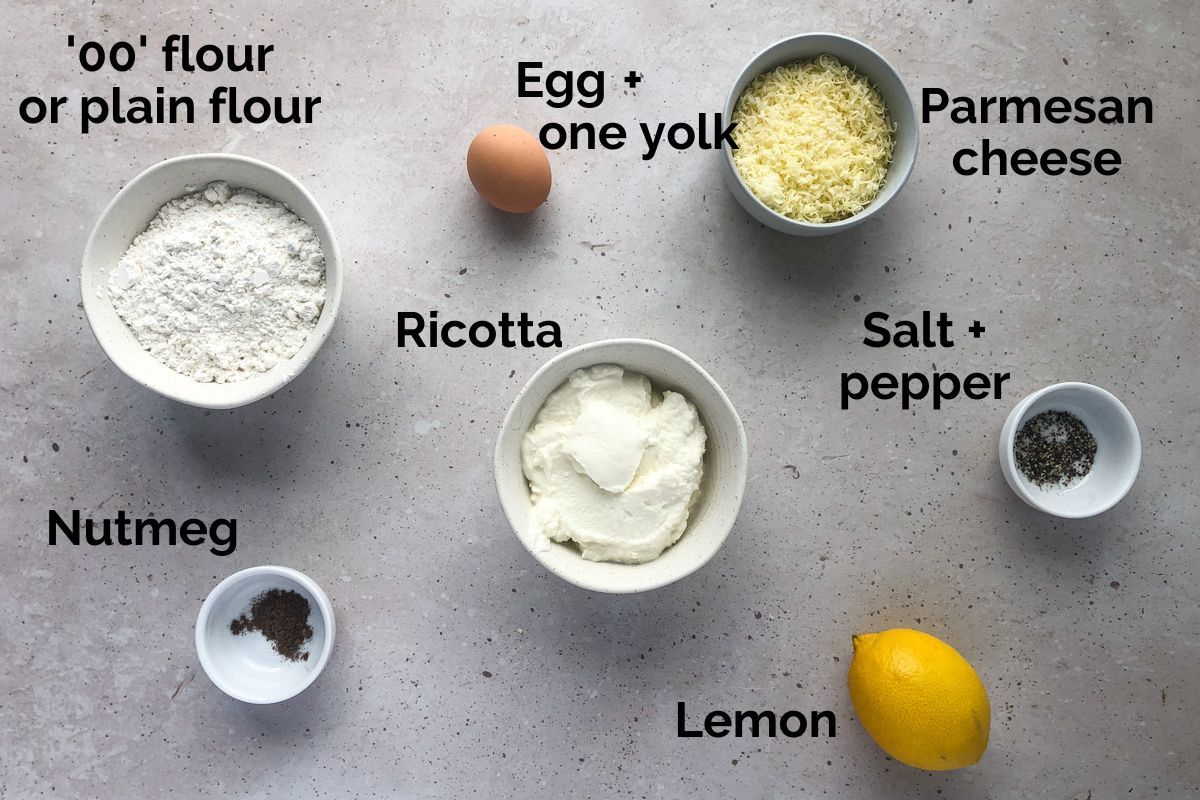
(222, 285)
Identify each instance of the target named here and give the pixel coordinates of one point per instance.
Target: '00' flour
(222, 285)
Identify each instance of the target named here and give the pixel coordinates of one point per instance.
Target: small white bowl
(128, 215)
(723, 484)
(1118, 450)
(881, 75)
(246, 666)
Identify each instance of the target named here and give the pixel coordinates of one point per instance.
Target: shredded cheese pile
(814, 140)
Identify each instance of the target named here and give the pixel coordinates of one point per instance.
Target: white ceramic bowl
(128, 215)
(246, 666)
(880, 73)
(1118, 450)
(724, 465)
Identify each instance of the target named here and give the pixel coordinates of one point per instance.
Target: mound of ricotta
(612, 466)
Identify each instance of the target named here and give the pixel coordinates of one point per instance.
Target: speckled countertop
(462, 669)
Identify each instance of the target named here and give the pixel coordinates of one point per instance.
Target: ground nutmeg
(281, 615)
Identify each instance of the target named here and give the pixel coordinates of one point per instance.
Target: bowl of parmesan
(212, 279)
(826, 135)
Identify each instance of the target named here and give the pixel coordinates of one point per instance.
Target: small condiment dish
(128, 215)
(246, 666)
(895, 96)
(722, 487)
(1118, 450)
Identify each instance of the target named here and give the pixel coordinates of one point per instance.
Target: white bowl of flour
(212, 279)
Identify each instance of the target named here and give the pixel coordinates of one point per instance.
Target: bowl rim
(1008, 458)
(323, 604)
(739, 85)
(298, 362)
(738, 490)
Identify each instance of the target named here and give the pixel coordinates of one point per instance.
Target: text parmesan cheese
(814, 140)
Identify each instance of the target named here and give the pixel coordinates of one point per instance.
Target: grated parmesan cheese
(814, 140)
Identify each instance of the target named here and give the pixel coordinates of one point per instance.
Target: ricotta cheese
(613, 466)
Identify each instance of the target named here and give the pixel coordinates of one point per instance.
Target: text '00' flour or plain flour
(222, 285)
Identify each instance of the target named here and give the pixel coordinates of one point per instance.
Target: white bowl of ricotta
(683, 394)
(128, 216)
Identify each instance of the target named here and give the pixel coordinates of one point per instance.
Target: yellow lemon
(919, 699)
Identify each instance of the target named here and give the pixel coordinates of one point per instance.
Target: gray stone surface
(372, 471)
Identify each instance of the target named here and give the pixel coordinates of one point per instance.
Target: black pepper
(1054, 448)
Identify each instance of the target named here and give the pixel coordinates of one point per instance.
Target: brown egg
(509, 168)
